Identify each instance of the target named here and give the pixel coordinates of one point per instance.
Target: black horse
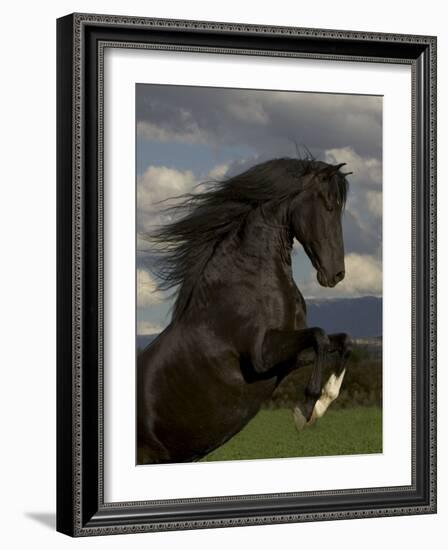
(239, 320)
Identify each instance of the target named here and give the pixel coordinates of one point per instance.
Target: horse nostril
(340, 276)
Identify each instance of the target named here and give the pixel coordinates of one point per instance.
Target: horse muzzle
(326, 281)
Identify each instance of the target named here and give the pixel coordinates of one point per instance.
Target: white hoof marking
(333, 386)
(330, 392)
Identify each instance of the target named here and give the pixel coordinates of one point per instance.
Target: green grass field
(272, 434)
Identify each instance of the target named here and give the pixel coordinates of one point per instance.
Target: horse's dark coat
(239, 320)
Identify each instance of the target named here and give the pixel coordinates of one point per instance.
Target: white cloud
(187, 132)
(363, 276)
(158, 183)
(375, 203)
(218, 172)
(148, 327)
(147, 293)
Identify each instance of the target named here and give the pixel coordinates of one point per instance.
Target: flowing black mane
(185, 246)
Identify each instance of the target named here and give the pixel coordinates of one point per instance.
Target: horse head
(316, 221)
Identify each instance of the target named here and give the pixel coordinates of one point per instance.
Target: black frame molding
(81, 39)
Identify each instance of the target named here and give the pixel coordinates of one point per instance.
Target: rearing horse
(239, 320)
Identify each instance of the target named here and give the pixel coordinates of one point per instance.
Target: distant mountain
(359, 317)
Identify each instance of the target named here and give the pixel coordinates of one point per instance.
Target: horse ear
(331, 170)
(336, 168)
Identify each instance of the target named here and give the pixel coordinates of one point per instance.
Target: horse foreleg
(280, 347)
(341, 344)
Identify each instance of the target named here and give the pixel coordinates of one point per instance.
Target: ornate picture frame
(81, 506)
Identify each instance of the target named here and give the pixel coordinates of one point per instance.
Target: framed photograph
(246, 274)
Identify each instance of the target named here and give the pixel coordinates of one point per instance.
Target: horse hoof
(299, 418)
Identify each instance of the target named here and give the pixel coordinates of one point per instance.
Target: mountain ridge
(359, 317)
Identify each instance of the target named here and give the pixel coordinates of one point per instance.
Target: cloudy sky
(186, 135)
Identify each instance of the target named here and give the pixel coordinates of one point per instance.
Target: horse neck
(265, 236)
(261, 245)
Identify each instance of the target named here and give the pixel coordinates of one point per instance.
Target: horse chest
(278, 303)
